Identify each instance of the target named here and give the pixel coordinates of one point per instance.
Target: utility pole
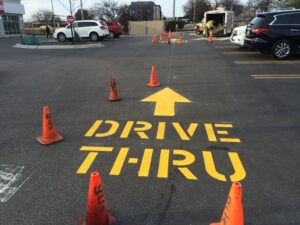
(174, 9)
(53, 16)
(82, 16)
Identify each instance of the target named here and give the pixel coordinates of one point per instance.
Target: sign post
(70, 20)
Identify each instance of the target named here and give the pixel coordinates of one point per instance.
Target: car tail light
(259, 31)
(102, 27)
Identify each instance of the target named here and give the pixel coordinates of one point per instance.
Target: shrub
(180, 24)
(170, 25)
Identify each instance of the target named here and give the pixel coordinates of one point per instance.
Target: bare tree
(250, 8)
(44, 15)
(215, 4)
(109, 10)
(70, 5)
(234, 5)
(197, 7)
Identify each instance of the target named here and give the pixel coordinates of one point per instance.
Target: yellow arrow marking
(165, 101)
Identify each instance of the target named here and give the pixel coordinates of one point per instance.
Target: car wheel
(282, 49)
(94, 36)
(112, 34)
(61, 37)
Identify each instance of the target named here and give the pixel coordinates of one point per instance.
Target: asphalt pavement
(222, 114)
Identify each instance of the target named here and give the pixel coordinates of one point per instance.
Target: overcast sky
(34, 5)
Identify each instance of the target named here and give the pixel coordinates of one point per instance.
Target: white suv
(238, 36)
(92, 29)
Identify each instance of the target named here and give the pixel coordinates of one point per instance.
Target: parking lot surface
(167, 155)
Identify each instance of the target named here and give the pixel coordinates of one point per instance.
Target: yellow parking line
(267, 62)
(276, 76)
(233, 46)
(241, 53)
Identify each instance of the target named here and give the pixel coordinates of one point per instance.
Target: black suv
(276, 32)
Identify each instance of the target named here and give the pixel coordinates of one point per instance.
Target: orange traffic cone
(160, 38)
(49, 135)
(180, 39)
(153, 80)
(210, 39)
(154, 39)
(233, 213)
(165, 33)
(96, 212)
(113, 92)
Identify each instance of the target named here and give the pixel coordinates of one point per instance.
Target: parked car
(95, 30)
(238, 35)
(115, 29)
(275, 32)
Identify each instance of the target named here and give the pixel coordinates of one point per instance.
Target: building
(157, 12)
(145, 11)
(11, 17)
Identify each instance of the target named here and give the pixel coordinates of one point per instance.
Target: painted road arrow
(165, 101)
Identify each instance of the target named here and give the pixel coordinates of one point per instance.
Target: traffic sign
(1, 7)
(70, 19)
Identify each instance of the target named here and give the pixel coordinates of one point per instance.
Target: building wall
(146, 27)
(2, 33)
(12, 9)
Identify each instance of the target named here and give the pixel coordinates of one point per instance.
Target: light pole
(174, 9)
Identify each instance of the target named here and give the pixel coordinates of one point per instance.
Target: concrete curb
(58, 46)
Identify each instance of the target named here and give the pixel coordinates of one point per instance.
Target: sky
(32, 6)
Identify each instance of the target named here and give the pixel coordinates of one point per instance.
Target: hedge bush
(180, 24)
(170, 25)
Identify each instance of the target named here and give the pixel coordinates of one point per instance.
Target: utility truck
(224, 19)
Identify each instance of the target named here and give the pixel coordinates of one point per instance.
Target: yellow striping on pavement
(241, 53)
(270, 62)
(87, 163)
(226, 46)
(276, 76)
(96, 148)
